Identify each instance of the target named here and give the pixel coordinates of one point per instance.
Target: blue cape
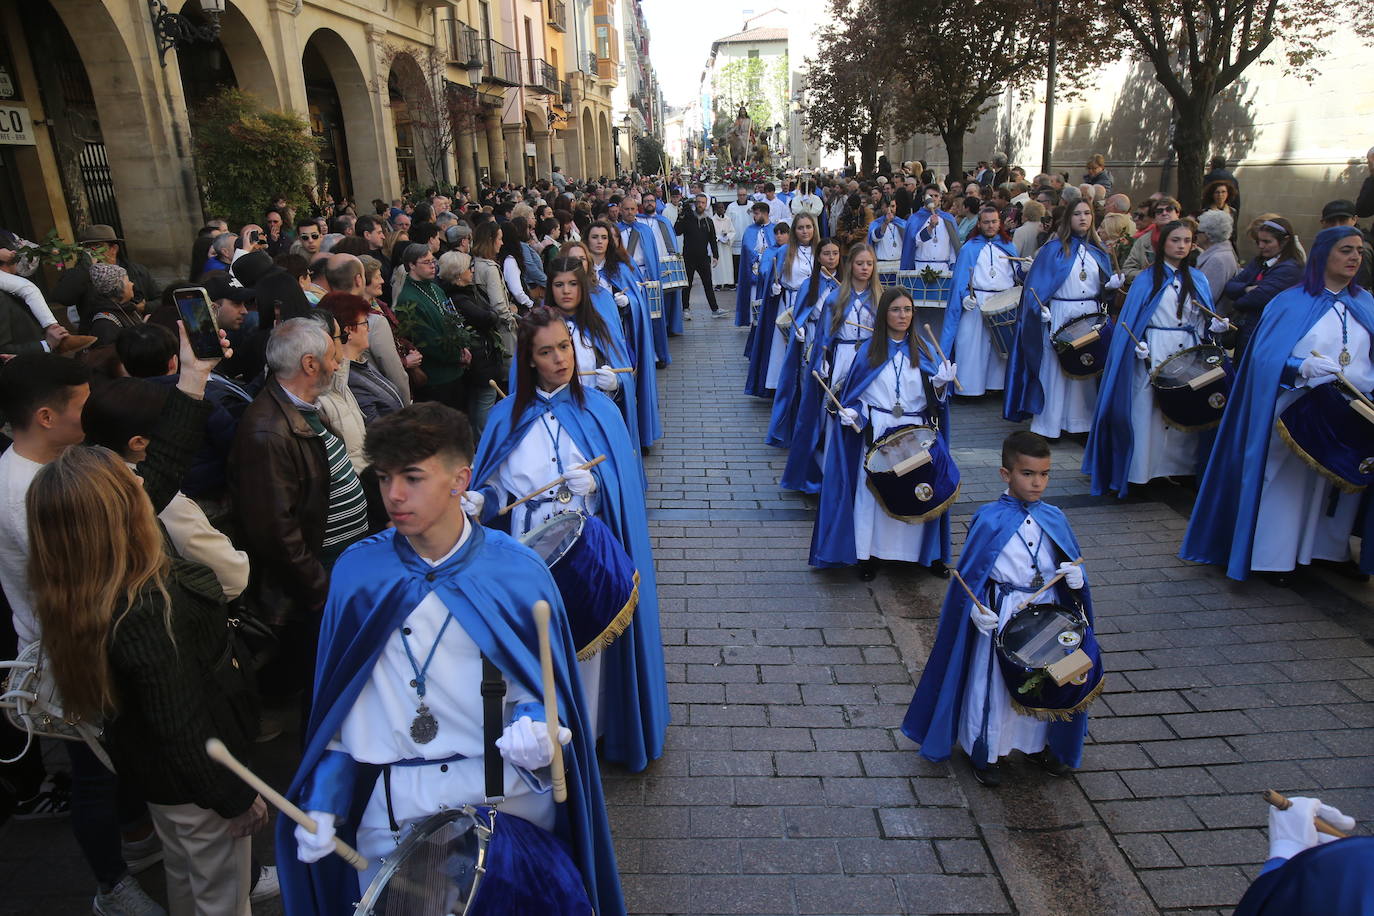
(932, 719)
(652, 271)
(897, 222)
(489, 586)
(640, 342)
(791, 383)
(1111, 441)
(1324, 880)
(1222, 529)
(672, 299)
(962, 285)
(916, 223)
(744, 282)
(636, 719)
(832, 538)
(761, 337)
(1024, 397)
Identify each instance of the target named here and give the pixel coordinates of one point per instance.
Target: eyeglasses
(900, 310)
(428, 262)
(1159, 210)
(310, 235)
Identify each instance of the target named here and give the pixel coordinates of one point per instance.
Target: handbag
(32, 705)
(257, 642)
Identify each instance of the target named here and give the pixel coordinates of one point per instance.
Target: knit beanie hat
(108, 279)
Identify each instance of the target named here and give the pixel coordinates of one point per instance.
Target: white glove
(944, 374)
(1116, 281)
(849, 417)
(971, 303)
(473, 502)
(1218, 326)
(525, 743)
(777, 289)
(1142, 350)
(580, 481)
(1292, 831)
(800, 332)
(1318, 367)
(1045, 314)
(606, 379)
(985, 622)
(1073, 575)
(312, 847)
(621, 300)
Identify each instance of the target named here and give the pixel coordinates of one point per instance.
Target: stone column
(467, 166)
(515, 152)
(543, 154)
(496, 145)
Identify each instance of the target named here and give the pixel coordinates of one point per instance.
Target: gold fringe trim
(618, 625)
(1059, 715)
(1339, 482)
(914, 519)
(1189, 429)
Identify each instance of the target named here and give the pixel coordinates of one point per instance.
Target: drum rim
(1154, 373)
(1014, 304)
(1069, 610)
(556, 518)
(1100, 313)
(935, 511)
(483, 818)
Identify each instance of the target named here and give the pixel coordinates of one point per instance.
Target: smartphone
(193, 307)
(252, 238)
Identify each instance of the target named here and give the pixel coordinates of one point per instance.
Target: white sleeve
(511, 271)
(197, 540)
(33, 298)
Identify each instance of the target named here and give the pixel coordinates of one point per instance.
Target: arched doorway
(404, 126)
(414, 116)
(340, 114)
(603, 136)
(236, 58)
(591, 160)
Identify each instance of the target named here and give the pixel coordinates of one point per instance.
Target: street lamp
(173, 30)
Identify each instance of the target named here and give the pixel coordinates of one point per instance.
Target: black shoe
(938, 569)
(867, 570)
(1051, 764)
(989, 775)
(1344, 568)
(1278, 579)
(660, 364)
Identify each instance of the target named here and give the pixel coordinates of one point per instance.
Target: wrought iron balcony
(464, 45)
(501, 64)
(558, 15)
(541, 77)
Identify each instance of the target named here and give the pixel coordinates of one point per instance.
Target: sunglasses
(310, 235)
(1159, 210)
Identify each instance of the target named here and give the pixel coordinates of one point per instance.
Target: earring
(452, 492)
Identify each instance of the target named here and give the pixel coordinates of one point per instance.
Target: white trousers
(208, 871)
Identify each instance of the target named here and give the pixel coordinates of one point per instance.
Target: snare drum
(934, 293)
(1082, 345)
(888, 272)
(653, 291)
(594, 574)
(1332, 430)
(476, 861)
(999, 313)
(1192, 387)
(673, 271)
(1042, 645)
(911, 474)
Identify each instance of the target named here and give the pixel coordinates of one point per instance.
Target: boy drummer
(1014, 546)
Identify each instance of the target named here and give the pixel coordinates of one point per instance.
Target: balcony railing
(464, 45)
(501, 64)
(558, 15)
(565, 92)
(541, 77)
(589, 65)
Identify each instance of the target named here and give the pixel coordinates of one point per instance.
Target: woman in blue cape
(642, 252)
(789, 270)
(982, 269)
(594, 322)
(808, 318)
(845, 324)
(1261, 506)
(1065, 282)
(1166, 310)
(369, 772)
(548, 426)
(893, 383)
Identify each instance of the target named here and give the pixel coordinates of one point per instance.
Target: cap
(219, 286)
(249, 268)
(1339, 209)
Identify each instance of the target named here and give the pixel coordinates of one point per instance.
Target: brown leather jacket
(279, 482)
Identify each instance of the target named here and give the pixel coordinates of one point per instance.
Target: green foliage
(748, 82)
(56, 252)
(648, 155)
(246, 154)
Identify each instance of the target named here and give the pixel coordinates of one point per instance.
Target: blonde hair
(95, 545)
(846, 290)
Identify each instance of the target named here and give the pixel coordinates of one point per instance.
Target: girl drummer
(548, 428)
(894, 383)
(1065, 282)
(1166, 312)
(808, 317)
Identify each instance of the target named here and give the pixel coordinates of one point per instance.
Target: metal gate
(99, 187)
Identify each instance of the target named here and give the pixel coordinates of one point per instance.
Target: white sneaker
(141, 855)
(686, 314)
(269, 885)
(718, 313)
(126, 898)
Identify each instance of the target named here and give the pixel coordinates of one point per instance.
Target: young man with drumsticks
(399, 728)
(1017, 549)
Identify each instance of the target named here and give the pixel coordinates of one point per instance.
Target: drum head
(1072, 330)
(1185, 365)
(1001, 301)
(554, 538)
(895, 448)
(1033, 639)
(435, 871)
(1039, 635)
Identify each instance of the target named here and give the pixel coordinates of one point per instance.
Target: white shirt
(741, 218)
(16, 473)
(778, 211)
(533, 463)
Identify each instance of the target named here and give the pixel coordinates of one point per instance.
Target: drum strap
(493, 700)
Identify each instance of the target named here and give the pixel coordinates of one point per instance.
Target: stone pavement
(787, 787)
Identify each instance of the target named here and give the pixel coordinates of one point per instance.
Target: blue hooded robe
(962, 285)
(915, 227)
(640, 341)
(633, 676)
(932, 719)
(651, 271)
(760, 345)
(746, 282)
(792, 383)
(489, 586)
(1329, 879)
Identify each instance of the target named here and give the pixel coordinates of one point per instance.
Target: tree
(246, 154)
(741, 82)
(1198, 49)
(950, 85)
(851, 82)
(649, 156)
(439, 111)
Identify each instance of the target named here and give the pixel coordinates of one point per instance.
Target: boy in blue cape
(756, 242)
(396, 731)
(1311, 874)
(1014, 546)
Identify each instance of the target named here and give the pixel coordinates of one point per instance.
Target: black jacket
(698, 235)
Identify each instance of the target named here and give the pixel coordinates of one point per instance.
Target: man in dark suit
(699, 252)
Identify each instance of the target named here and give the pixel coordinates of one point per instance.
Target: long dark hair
(615, 251)
(1185, 276)
(878, 343)
(526, 375)
(512, 234)
(586, 315)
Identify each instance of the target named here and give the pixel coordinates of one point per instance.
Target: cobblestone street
(787, 788)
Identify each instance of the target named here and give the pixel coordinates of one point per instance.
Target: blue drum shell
(598, 582)
(1330, 437)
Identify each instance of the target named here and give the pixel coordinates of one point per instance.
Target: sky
(680, 36)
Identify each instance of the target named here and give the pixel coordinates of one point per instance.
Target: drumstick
(838, 405)
(1341, 375)
(1215, 315)
(594, 371)
(1010, 258)
(980, 605)
(497, 388)
(541, 620)
(862, 327)
(551, 484)
(1049, 585)
(943, 358)
(1283, 804)
(221, 754)
(1127, 328)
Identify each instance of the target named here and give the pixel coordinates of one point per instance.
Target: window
(603, 42)
(753, 53)
(486, 19)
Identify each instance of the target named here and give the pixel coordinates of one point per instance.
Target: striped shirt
(346, 518)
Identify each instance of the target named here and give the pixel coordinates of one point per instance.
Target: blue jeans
(100, 810)
(481, 399)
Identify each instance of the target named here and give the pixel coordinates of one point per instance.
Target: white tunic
(657, 231)
(534, 463)
(1069, 402)
(1160, 450)
(889, 245)
(981, 367)
(1007, 729)
(636, 252)
(583, 347)
(1293, 525)
(803, 262)
(858, 315)
(938, 248)
(877, 534)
